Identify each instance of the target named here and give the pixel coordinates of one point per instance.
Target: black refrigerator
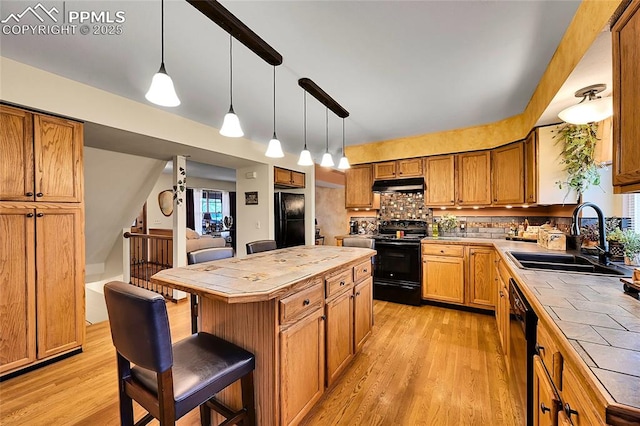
(289, 217)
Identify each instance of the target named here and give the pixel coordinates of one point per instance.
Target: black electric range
(397, 275)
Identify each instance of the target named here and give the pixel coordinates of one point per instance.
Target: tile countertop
(600, 321)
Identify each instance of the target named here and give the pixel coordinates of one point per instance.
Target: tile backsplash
(404, 206)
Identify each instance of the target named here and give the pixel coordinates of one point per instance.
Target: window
(631, 206)
(212, 204)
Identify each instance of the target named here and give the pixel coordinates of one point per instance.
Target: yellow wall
(589, 20)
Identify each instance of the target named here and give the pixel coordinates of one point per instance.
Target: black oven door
(397, 261)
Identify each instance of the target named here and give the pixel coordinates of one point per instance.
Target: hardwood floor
(422, 366)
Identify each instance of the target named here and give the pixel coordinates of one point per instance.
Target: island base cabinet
(339, 335)
(363, 312)
(302, 367)
(545, 403)
(577, 405)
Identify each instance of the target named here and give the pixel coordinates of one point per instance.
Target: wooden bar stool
(171, 380)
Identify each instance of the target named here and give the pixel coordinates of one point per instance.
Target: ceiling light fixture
(305, 156)
(591, 108)
(231, 124)
(274, 149)
(327, 160)
(343, 164)
(161, 92)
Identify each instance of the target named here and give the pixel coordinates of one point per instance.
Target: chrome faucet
(603, 249)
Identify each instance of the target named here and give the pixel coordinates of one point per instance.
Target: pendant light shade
(305, 156)
(231, 124)
(592, 108)
(327, 160)
(161, 92)
(274, 149)
(343, 164)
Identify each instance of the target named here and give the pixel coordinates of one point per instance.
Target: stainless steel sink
(566, 263)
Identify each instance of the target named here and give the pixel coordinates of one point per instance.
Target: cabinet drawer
(548, 351)
(362, 271)
(339, 282)
(442, 250)
(302, 303)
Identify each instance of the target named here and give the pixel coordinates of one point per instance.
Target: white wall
(603, 196)
(116, 186)
(254, 222)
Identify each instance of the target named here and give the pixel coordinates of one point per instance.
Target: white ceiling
(399, 67)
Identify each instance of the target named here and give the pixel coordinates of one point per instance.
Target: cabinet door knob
(29, 194)
(452, 201)
(568, 411)
(365, 270)
(29, 214)
(39, 214)
(441, 251)
(342, 283)
(358, 294)
(544, 408)
(306, 302)
(39, 194)
(539, 348)
(501, 293)
(324, 317)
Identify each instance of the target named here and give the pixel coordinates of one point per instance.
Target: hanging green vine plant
(578, 146)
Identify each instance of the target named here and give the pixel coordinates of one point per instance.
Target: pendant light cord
(343, 137)
(326, 114)
(162, 31)
(231, 70)
(274, 102)
(305, 120)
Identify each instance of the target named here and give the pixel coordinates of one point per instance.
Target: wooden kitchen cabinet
(363, 312)
(439, 175)
(340, 347)
(480, 282)
(507, 168)
(545, 402)
(503, 307)
(358, 183)
(43, 306)
(474, 178)
(626, 100)
(576, 402)
(41, 157)
(443, 275)
(302, 369)
(411, 167)
(284, 178)
(531, 168)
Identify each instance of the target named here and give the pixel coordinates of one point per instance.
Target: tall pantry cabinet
(42, 245)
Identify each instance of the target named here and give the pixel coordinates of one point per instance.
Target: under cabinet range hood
(399, 185)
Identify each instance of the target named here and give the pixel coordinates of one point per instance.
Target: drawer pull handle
(441, 251)
(39, 194)
(306, 302)
(29, 214)
(568, 411)
(39, 214)
(544, 408)
(29, 194)
(539, 348)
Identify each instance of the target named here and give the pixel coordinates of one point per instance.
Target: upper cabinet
(284, 178)
(508, 174)
(626, 100)
(358, 183)
(439, 173)
(474, 178)
(411, 167)
(531, 168)
(41, 157)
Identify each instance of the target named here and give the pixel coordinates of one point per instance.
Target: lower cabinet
(302, 366)
(503, 308)
(339, 334)
(576, 403)
(363, 312)
(443, 278)
(42, 263)
(545, 402)
(481, 285)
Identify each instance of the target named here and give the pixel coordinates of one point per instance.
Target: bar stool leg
(247, 399)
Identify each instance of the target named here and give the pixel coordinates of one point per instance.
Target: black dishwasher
(522, 327)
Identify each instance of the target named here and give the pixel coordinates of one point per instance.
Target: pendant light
(161, 92)
(592, 108)
(343, 164)
(327, 161)
(231, 124)
(305, 156)
(274, 149)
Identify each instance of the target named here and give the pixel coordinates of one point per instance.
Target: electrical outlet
(258, 225)
(463, 226)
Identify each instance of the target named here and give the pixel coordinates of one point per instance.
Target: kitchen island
(285, 306)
